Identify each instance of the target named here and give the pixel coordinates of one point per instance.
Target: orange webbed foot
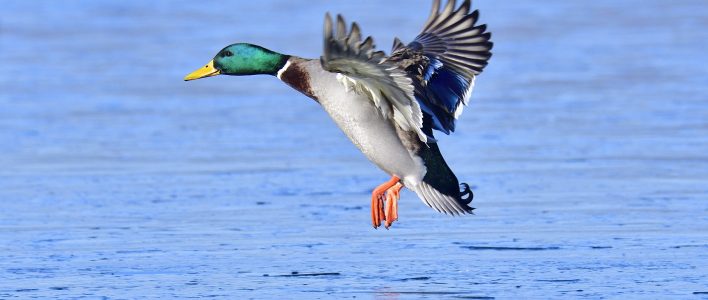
(390, 192)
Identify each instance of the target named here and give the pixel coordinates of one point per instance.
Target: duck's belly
(375, 136)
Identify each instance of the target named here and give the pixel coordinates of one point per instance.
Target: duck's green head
(241, 59)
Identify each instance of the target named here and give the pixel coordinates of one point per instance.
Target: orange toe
(375, 211)
(392, 196)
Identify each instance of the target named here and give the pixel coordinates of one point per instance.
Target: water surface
(586, 142)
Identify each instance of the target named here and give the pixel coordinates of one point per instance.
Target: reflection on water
(586, 142)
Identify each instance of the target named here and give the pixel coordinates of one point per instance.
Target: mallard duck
(388, 106)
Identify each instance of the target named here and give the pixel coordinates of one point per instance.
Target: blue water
(586, 142)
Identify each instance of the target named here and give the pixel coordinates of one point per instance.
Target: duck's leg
(377, 201)
(392, 196)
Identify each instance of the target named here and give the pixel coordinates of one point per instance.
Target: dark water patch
(25, 290)
(286, 192)
(59, 288)
(138, 251)
(559, 280)
(319, 193)
(50, 240)
(497, 248)
(31, 270)
(422, 278)
(308, 245)
(313, 245)
(690, 246)
(600, 247)
(418, 293)
(433, 293)
(298, 274)
(57, 257)
(353, 208)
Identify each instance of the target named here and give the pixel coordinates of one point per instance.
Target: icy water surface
(586, 142)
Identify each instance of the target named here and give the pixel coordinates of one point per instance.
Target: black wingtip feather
(466, 5)
(475, 15)
(446, 37)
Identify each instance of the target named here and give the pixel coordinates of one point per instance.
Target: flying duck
(388, 105)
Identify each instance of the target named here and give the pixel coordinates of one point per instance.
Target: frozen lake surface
(586, 142)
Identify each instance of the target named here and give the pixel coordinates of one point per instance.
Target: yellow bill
(206, 71)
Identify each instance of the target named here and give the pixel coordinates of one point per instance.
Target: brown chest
(297, 77)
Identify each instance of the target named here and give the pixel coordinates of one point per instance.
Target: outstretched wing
(444, 60)
(366, 71)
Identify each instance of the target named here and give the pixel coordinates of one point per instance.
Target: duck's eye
(228, 53)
